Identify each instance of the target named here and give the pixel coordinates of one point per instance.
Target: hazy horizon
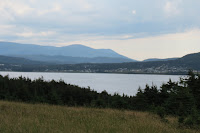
(136, 29)
(91, 47)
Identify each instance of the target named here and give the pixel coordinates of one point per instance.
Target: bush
(193, 120)
(160, 111)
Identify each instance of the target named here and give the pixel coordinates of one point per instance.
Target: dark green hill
(191, 60)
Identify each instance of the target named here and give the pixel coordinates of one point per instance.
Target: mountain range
(44, 58)
(72, 54)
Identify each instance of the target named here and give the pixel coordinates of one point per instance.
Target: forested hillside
(178, 66)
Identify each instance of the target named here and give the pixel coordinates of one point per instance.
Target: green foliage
(58, 93)
(181, 120)
(161, 112)
(193, 119)
(181, 99)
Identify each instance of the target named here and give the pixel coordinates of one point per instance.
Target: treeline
(57, 92)
(180, 99)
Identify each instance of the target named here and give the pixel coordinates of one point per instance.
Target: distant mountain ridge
(76, 50)
(73, 60)
(24, 54)
(66, 55)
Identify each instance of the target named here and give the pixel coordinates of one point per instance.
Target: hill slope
(17, 61)
(23, 118)
(190, 61)
(192, 57)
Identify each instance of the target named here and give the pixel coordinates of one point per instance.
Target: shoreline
(181, 74)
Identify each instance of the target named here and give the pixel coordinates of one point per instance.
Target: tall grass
(40, 118)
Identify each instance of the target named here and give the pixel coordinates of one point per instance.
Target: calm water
(120, 83)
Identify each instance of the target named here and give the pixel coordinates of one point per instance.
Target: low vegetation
(43, 118)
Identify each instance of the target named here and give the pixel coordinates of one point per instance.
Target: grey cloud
(99, 18)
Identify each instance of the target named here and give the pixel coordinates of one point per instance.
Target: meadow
(16, 117)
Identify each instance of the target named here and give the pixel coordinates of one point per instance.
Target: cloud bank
(119, 25)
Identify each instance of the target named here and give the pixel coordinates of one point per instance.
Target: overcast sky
(138, 29)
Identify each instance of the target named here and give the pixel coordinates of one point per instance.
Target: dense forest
(181, 99)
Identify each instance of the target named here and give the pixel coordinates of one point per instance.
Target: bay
(112, 83)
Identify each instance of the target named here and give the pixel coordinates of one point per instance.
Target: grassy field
(39, 118)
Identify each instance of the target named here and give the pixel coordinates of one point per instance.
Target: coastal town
(163, 69)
